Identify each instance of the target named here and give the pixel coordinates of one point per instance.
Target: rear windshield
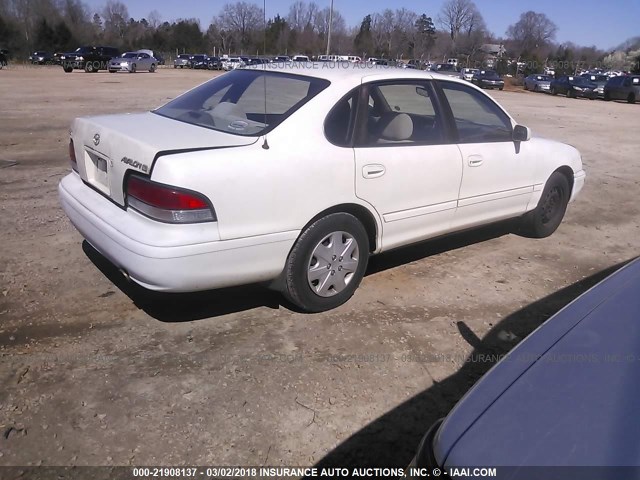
(237, 102)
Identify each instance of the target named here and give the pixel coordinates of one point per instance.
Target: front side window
(244, 102)
(401, 113)
(478, 119)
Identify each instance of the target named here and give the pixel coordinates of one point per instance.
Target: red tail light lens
(167, 203)
(72, 156)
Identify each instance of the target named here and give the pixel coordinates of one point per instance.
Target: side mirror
(521, 133)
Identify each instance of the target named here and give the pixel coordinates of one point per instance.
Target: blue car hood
(568, 395)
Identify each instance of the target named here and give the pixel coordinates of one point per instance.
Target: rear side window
(400, 113)
(244, 102)
(478, 119)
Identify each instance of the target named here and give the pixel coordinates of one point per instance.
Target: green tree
(364, 41)
(425, 34)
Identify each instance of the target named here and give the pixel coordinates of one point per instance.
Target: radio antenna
(265, 145)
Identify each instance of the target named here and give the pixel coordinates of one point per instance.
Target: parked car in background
(599, 79)
(257, 61)
(89, 58)
(163, 194)
(214, 63)
(281, 58)
(523, 412)
(448, 69)
(199, 61)
(182, 61)
(487, 79)
(41, 57)
(574, 87)
(232, 63)
(468, 73)
(537, 82)
(623, 88)
(133, 62)
(300, 58)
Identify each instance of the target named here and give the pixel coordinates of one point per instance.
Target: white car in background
(232, 63)
(296, 176)
(468, 73)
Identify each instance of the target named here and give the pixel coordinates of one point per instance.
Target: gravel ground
(99, 372)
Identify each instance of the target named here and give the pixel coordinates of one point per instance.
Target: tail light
(72, 156)
(167, 203)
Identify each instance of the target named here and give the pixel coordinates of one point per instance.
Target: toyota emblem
(96, 139)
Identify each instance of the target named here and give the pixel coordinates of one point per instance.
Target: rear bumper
(172, 258)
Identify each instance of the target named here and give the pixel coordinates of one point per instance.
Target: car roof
(339, 72)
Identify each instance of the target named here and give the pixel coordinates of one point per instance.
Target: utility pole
(329, 30)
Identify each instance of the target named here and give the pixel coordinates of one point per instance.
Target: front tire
(327, 263)
(546, 217)
(152, 69)
(89, 67)
(67, 69)
(631, 98)
(607, 97)
(554, 91)
(133, 68)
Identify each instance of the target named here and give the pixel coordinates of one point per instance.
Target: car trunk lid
(107, 148)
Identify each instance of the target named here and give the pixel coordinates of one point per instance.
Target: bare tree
(458, 16)
(154, 18)
(116, 16)
(242, 19)
(532, 31)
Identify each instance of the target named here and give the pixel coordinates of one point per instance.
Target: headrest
(396, 127)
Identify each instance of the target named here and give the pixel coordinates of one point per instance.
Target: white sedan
(295, 174)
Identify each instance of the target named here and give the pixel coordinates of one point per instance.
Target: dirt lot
(98, 372)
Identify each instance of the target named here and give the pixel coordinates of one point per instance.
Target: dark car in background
(537, 83)
(566, 396)
(599, 79)
(214, 63)
(89, 58)
(41, 57)
(625, 87)
(574, 87)
(4, 57)
(199, 61)
(488, 79)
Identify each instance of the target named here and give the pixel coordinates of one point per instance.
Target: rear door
(497, 180)
(405, 166)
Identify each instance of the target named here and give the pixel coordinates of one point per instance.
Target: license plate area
(97, 168)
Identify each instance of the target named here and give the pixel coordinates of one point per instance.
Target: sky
(605, 24)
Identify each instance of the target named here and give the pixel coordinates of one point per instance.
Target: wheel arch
(362, 213)
(568, 172)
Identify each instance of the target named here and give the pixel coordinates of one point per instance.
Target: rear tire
(152, 69)
(89, 67)
(607, 97)
(571, 94)
(67, 69)
(631, 98)
(548, 214)
(554, 91)
(327, 263)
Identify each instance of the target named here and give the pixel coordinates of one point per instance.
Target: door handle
(373, 171)
(475, 160)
